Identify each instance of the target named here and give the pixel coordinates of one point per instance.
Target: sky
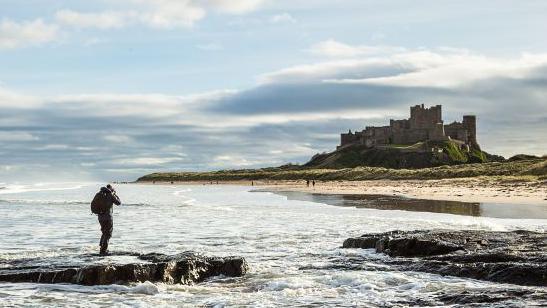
(115, 89)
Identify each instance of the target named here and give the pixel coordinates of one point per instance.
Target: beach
(476, 189)
(461, 189)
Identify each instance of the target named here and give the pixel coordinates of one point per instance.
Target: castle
(424, 124)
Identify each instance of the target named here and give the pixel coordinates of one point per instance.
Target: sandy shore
(480, 189)
(466, 190)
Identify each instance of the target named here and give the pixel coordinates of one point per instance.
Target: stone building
(424, 124)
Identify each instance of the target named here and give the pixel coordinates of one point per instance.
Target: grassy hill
(401, 156)
(534, 168)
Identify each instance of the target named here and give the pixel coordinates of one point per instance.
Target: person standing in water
(102, 206)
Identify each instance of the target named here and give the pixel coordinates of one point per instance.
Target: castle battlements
(424, 124)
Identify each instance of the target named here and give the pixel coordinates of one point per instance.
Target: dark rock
(397, 243)
(365, 242)
(468, 297)
(185, 268)
(517, 257)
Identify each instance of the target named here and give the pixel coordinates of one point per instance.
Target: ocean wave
(62, 202)
(146, 288)
(189, 201)
(178, 192)
(136, 204)
(18, 188)
(288, 283)
(43, 202)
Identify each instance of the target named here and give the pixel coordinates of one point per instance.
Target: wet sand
(390, 202)
(462, 189)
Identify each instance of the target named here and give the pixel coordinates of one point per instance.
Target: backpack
(100, 203)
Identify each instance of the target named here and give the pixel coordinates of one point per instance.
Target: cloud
(158, 14)
(319, 97)
(53, 147)
(229, 160)
(12, 99)
(450, 70)
(332, 48)
(210, 47)
(10, 136)
(282, 18)
(150, 106)
(234, 6)
(118, 138)
(317, 72)
(28, 33)
(146, 161)
(171, 13)
(94, 41)
(162, 14)
(103, 20)
(166, 15)
(184, 13)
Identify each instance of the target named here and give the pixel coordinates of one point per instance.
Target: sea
(292, 244)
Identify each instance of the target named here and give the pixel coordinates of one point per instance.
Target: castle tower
(425, 118)
(470, 124)
(437, 133)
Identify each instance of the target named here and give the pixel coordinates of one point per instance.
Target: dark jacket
(113, 199)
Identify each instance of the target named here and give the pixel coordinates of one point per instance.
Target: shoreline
(476, 189)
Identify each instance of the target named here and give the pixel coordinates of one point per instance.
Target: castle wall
(456, 130)
(425, 118)
(376, 135)
(452, 129)
(398, 130)
(348, 138)
(410, 136)
(399, 125)
(437, 133)
(424, 124)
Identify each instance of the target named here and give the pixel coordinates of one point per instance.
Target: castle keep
(424, 124)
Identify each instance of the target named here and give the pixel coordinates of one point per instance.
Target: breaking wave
(18, 188)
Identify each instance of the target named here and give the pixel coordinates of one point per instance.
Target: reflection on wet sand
(394, 202)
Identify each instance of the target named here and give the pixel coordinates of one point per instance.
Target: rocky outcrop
(518, 257)
(414, 156)
(184, 268)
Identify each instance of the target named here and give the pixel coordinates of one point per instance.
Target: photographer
(102, 206)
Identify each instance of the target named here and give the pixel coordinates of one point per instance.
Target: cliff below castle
(401, 156)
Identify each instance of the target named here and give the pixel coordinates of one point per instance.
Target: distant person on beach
(102, 206)
(313, 183)
(308, 183)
